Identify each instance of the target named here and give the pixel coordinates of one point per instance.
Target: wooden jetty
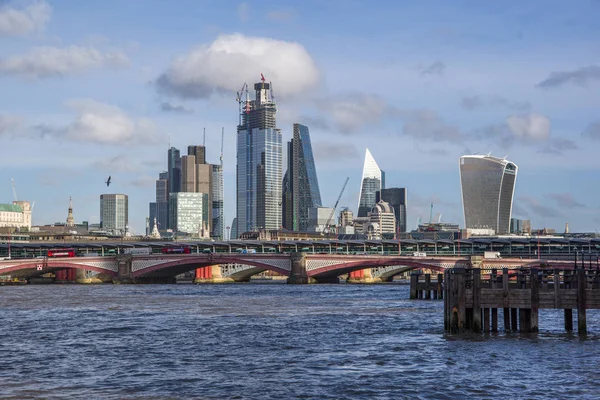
(423, 288)
(472, 301)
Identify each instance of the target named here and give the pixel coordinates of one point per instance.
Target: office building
(318, 217)
(188, 213)
(300, 184)
(487, 186)
(16, 215)
(159, 209)
(373, 179)
(520, 226)
(382, 221)
(217, 212)
(396, 197)
(114, 213)
(259, 163)
(174, 170)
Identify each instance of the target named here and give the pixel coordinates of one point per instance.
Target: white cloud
(8, 123)
(529, 127)
(19, 22)
(103, 124)
(231, 60)
(352, 112)
(45, 62)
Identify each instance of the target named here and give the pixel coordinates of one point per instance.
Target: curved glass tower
(487, 184)
(373, 180)
(300, 183)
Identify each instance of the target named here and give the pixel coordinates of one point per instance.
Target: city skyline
(514, 79)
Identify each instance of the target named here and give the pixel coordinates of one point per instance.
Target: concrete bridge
(234, 267)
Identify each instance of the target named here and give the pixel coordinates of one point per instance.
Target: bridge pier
(210, 274)
(298, 274)
(361, 276)
(124, 270)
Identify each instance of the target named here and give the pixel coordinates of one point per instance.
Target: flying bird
(108, 181)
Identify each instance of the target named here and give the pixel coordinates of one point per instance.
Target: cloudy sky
(96, 88)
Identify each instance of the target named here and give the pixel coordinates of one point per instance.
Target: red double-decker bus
(61, 253)
(177, 250)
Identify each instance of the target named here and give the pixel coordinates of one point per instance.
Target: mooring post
(476, 318)
(535, 301)
(506, 309)
(414, 281)
(427, 282)
(440, 286)
(513, 320)
(462, 306)
(581, 302)
(447, 315)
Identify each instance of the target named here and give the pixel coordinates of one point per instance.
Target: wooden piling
(440, 285)
(414, 281)
(581, 302)
(476, 317)
(427, 282)
(568, 319)
(486, 320)
(494, 320)
(535, 301)
(514, 326)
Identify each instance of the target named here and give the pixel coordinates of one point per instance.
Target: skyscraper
(259, 163)
(174, 170)
(373, 179)
(114, 212)
(300, 184)
(396, 197)
(159, 208)
(487, 185)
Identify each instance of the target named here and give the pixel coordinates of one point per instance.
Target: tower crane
(328, 224)
(14, 189)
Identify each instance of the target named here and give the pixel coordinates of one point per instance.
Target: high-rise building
(159, 209)
(373, 179)
(396, 197)
(174, 170)
(188, 173)
(188, 213)
(382, 221)
(300, 184)
(217, 222)
(259, 163)
(487, 184)
(114, 213)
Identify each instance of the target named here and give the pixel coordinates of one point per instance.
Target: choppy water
(272, 341)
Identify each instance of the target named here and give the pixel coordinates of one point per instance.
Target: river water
(273, 341)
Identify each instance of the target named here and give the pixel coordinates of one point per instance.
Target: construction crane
(328, 224)
(14, 189)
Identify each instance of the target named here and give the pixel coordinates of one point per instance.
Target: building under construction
(259, 161)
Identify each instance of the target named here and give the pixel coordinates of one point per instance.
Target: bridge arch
(51, 266)
(175, 267)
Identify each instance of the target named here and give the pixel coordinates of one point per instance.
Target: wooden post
(557, 302)
(462, 311)
(493, 279)
(427, 282)
(513, 319)
(581, 302)
(535, 301)
(506, 309)
(486, 320)
(494, 319)
(440, 285)
(568, 319)
(446, 306)
(476, 321)
(414, 280)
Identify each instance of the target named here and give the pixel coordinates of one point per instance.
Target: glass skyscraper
(188, 212)
(300, 184)
(259, 163)
(487, 184)
(373, 180)
(114, 212)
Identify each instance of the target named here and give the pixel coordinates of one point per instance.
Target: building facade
(217, 212)
(259, 163)
(318, 217)
(114, 213)
(373, 180)
(174, 170)
(487, 186)
(16, 215)
(188, 213)
(300, 184)
(382, 222)
(397, 198)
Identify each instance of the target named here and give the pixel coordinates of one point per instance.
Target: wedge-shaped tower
(373, 180)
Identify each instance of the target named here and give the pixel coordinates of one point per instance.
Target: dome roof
(382, 207)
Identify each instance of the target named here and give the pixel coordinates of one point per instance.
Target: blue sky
(96, 88)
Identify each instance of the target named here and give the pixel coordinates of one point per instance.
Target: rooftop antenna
(204, 138)
(14, 189)
(222, 136)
